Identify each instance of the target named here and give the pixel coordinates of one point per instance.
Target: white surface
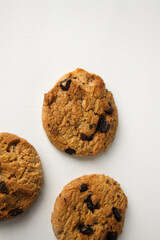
(40, 40)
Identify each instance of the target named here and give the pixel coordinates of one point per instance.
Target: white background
(40, 40)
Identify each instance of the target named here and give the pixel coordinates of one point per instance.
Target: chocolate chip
(65, 84)
(83, 137)
(86, 138)
(90, 126)
(90, 204)
(110, 111)
(106, 90)
(103, 126)
(111, 236)
(12, 145)
(70, 151)
(15, 212)
(3, 188)
(116, 213)
(83, 187)
(3, 209)
(85, 229)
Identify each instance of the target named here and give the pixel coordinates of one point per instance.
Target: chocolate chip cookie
(21, 175)
(79, 114)
(90, 207)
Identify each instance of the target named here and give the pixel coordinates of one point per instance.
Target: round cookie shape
(89, 207)
(21, 175)
(79, 114)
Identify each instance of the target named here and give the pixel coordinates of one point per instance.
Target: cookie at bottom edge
(89, 207)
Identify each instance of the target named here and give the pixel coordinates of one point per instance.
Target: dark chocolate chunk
(103, 126)
(83, 187)
(106, 90)
(85, 229)
(116, 213)
(110, 111)
(90, 204)
(65, 84)
(86, 138)
(3, 209)
(90, 126)
(12, 144)
(3, 188)
(70, 151)
(15, 212)
(111, 236)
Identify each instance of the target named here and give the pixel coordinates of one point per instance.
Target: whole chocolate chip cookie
(90, 207)
(21, 175)
(79, 115)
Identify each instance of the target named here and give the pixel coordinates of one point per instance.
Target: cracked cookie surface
(21, 175)
(79, 115)
(91, 207)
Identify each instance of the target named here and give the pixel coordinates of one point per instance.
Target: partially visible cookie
(90, 207)
(21, 175)
(79, 115)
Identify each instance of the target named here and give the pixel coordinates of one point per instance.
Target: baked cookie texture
(79, 115)
(90, 207)
(21, 175)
